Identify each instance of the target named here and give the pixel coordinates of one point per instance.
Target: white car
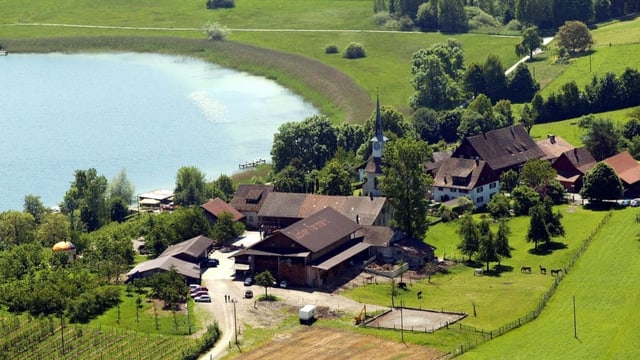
(635, 202)
(202, 298)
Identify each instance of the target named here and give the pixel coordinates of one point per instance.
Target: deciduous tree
(189, 186)
(405, 184)
(531, 41)
(266, 280)
(601, 183)
(575, 37)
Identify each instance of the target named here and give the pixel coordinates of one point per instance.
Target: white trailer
(307, 314)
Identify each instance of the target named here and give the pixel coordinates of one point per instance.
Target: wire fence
(485, 335)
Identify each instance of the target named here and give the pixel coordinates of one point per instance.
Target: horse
(419, 294)
(543, 271)
(556, 272)
(525, 269)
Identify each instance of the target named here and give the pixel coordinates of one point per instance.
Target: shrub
(381, 18)
(217, 4)
(354, 51)
(405, 24)
(331, 49)
(514, 25)
(392, 24)
(215, 31)
(479, 19)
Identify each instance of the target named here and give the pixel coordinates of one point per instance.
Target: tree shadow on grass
(497, 270)
(601, 206)
(547, 248)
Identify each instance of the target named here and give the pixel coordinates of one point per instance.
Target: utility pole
(62, 330)
(401, 322)
(575, 328)
(235, 326)
(188, 317)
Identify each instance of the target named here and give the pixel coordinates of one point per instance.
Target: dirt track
(318, 343)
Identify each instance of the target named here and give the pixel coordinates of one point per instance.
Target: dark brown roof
(581, 159)
(625, 166)
(249, 197)
(503, 148)
(459, 173)
(361, 209)
(553, 146)
(321, 229)
(166, 263)
(412, 245)
(340, 257)
(217, 206)
(437, 158)
(193, 247)
(376, 235)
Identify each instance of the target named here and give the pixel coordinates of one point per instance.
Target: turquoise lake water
(148, 114)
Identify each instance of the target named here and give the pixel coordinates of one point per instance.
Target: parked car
(202, 298)
(193, 286)
(284, 284)
(635, 202)
(625, 202)
(207, 263)
(248, 294)
(198, 293)
(248, 281)
(199, 288)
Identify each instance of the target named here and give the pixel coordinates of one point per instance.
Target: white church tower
(373, 169)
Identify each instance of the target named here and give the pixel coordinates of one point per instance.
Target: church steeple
(379, 139)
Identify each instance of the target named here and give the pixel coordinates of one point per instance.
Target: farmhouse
(553, 146)
(503, 149)
(280, 210)
(459, 177)
(156, 200)
(628, 170)
(248, 200)
(309, 252)
(392, 245)
(184, 257)
(215, 207)
(571, 167)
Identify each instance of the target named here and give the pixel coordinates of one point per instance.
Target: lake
(148, 114)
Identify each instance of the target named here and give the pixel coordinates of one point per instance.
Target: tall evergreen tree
(469, 236)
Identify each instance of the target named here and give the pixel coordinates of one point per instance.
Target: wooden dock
(252, 164)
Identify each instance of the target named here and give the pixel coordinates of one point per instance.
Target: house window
(440, 188)
(492, 185)
(453, 190)
(480, 199)
(464, 191)
(479, 190)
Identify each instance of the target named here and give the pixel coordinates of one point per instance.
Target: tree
(311, 143)
(225, 230)
(522, 87)
(601, 183)
(225, 184)
(354, 51)
(602, 137)
(503, 113)
(502, 241)
(120, 186)
(487, 250)
(290, 179)
(430, 268)
(538, 231)
(118, 209)
(537, 174)
(531, 41)
(87, 194)
(335, 178)
(499, 206)
(527, 118)
(55, 227)
(33, 205)
(16, 228)
(169, 286)
(215, 4)
(508, 180)
(215, 31)
(469, 236)
(189, 186)
(436, 71)
(495, 78)
(574, 36)
(405, 184)
(427, 124)
(266, 280)
(524, 198)
(427, 16)
(473, 80)
(453, 18)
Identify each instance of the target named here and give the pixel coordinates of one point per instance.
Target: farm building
(215, 207)
(248, 200)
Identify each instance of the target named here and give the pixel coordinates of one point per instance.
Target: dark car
(207, 263)
(248, 294)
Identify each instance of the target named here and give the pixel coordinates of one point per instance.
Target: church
(373, 169)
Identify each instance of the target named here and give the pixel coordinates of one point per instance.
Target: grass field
(604, 282)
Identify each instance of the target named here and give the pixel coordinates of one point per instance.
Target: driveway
(220, 281)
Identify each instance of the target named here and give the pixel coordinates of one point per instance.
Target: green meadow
(604, 283)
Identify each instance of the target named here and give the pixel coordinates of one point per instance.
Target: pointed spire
(379, 132)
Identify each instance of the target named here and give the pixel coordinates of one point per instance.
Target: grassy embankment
(386, 68)
(604, 282)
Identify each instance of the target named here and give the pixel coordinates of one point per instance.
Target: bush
(354, 51)
(381, 18)
(479, 19)
(405, 24)
(218, 4)
(331, 49)
(514, 25)
(215, 31)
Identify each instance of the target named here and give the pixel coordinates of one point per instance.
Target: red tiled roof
(217, 206)
(625, 166)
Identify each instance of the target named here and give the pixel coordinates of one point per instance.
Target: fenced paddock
(417, 320)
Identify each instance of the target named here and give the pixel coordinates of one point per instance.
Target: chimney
(357, 219)
(552, 138)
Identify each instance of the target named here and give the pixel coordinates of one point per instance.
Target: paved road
(220, 281)
(545, 41)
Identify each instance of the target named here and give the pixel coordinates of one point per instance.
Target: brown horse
(543, 271)
(556, 272)
(525, 269)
